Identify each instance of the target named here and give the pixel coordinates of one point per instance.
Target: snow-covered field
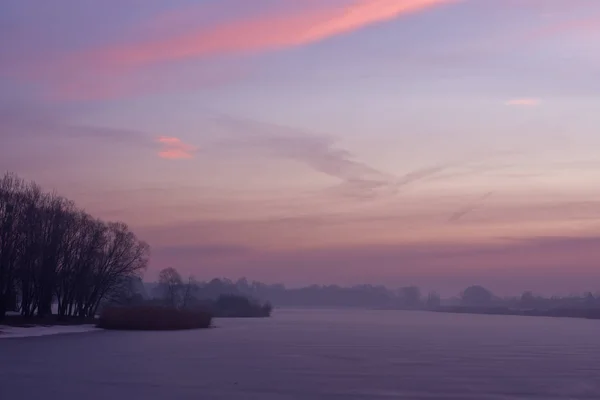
(17, 332)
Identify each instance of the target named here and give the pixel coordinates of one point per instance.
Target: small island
(176, 305)
(158, 315)
(152, 318)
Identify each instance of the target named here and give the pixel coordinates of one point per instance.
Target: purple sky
(436, 142)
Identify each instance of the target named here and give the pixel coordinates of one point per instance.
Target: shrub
(234, 306)
(153, 318)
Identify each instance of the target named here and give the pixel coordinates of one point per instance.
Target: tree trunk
(2, 306)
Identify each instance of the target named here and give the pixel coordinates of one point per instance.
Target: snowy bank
(34, 331)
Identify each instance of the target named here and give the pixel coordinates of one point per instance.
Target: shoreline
(18, 321)
(15, 332)
(578, 313)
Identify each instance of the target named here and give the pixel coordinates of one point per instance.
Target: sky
(432, 142)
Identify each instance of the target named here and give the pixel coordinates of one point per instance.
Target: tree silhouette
(50, 251)
(476, 296)
(170, 284)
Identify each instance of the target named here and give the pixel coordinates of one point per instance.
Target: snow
(35, 331)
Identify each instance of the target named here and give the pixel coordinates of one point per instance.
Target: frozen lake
(316, 354)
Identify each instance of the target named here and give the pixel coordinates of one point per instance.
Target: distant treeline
(51, 252)
(172, 291)
(410, 297)
(477, 296)
(378, 296)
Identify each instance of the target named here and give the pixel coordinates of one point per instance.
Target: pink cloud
(266, 32)
(174, 149)
(136, 64)
(524, 102)
(579, 26)
(582, 26)
(95, 85)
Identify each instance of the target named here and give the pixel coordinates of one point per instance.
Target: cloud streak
(578, 26)
(524, 102)
(135, 65)
(458, 215)
(323, 154)
(175, 149)
(95, 85)
(44, 142)
(317, 151)
(261, 33)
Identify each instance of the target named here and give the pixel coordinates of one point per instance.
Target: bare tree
(170, 284)
(11, 188)
(189, 289)
(476, 296)
(411, 296)
(51, 251)
(433, 300)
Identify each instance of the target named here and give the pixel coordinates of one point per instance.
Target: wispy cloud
(89, 84)
(578, 26)
(524, 102)
(261, 33)
(135, 65)
(31, 122)
(322, 153)
(317, 151)
(44, 141)
(458, 215)
(175, 149)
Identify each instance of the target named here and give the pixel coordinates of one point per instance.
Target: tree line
(480, 296)
(53, 253)
(173, 292)
(409, 297)
(373, 296)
